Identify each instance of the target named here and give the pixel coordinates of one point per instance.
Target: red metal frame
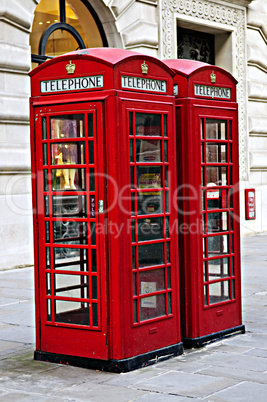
(203, 317)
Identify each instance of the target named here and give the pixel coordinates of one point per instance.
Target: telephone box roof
(188, 67)
(108, 56)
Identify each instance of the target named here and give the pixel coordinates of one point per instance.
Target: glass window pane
(69, 232)
(95, 314)
(93, 233)
(91, 152)
(71, 312)
(150, 254)
(165, 151)
(218, 268)
(151, 281)
(149, 203)
(216, 153)
(217, 199)
(49, 310)
(93, 260)
(131, 123)
(150, 229)
(90, 125)
(216, 129)
(216, 175)
(68, 126)
(92, 179)
(165, 125)
(68, 179)
(48, 284)
(219, 292)
(71, 286)
(67, 153)
(217, 245)
(148, 151)
(48, 266)
(131, 151)
(45, 180)
(148, 124)
(149, 177)
(44, 128)
(69, 205)
(152, 307)
(94, 287)
(217, 222)
(46, 204)
(45, 158)
(71, 259)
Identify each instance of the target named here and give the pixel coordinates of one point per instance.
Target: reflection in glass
(68, 126)
(69, 205)
(219, 292)
(95, 314)
(217, 199)
(49, 310)
(150, 229)
(148, 124)
(93, 260)
(151, 254)
(72, 259)
(217, 245)
(217, 222)
(69, 232)
(148, 203)
(45, 180)
(148, 151)
(149, 177)
(46, 204)
(45, 158)
(218, 268)
(44, 129)
(68, 179)
(152, 307)
(71, 312)
(216, 175)
(90, 125)
(71, 286)
(91, 152)
(216, 153)
(216, 129)
(151, 281)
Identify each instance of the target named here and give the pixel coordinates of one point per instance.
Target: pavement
(232, 369)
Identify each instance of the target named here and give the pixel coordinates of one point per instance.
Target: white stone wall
(257, 110)
(15, 186)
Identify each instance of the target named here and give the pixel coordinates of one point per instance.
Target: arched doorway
(62, 26)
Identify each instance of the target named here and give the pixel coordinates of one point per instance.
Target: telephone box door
(71, 288)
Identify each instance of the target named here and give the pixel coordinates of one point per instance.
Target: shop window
(194, 45)
(62, 26)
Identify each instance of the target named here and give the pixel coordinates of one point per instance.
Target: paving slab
(184, 384)
(241, 392)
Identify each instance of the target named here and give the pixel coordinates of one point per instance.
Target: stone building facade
(239, 32)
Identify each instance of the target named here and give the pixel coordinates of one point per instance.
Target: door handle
(100, 206)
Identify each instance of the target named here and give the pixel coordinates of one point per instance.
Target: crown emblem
(144, 67)
(213, 77)
(70, 68)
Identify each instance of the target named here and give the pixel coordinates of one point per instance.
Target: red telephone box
(103, 165)
(208, 201)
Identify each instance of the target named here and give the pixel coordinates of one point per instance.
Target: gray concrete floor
(233, 369)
